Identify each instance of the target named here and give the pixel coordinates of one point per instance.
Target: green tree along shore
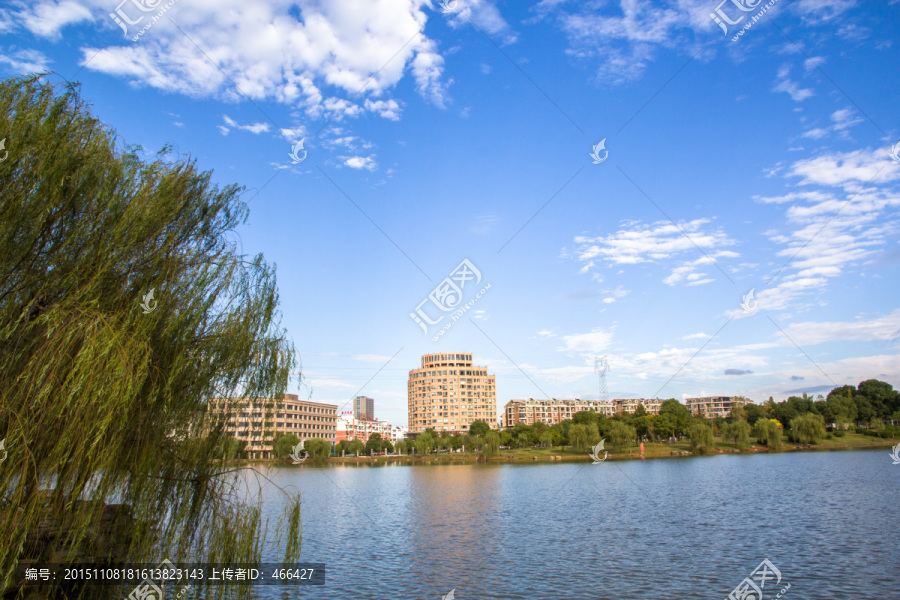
(103, 385)
(831, 421)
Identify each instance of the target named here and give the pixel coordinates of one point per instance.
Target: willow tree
(701, 436)
(768, 432)
(808, 428)
(578, 436)
(491, 443)
(124, 306)
(738, 432)
(619, 434)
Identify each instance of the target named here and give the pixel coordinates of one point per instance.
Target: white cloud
(710, 364)
(338, 108)
(611, 296)
(270, 53)
(712, 370)
(427, 68)
(328, 382)
(594, 341)
(842, 120)
(7, 22)
(813, 62)
(816, 133)
(851, 371)
(697, 336)
(485, 16)
(848, 169)
(626, 44)
(295, 134)
(688, 274)
(784, 84)
(255, 128)
(795, 196)
(657, 242)
(25, 62)
(360, 162)
(545, 7)
(389, 109)
(830, 230)
(46, 19)
(623, 37)
(820, 11)
(882, 328)
(854, 32)
(566, 374)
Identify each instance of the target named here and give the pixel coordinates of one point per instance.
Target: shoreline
(545, 455)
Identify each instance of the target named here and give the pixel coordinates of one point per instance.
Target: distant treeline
(873, 407)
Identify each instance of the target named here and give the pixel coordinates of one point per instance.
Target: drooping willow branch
(101, 400)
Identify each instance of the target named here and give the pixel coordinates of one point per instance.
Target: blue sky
(438, 134)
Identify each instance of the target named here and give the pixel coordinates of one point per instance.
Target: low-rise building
(551, 411)
(260, 422)
(714, 406)
(398, 433)
(630, 405)
(350, 428)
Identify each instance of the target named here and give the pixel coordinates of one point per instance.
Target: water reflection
(620, 530)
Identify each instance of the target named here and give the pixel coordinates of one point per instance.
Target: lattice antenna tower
(601, 366)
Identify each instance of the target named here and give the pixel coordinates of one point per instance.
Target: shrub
(319, 450)
(867, 432)
(284, 445)
(890, 432)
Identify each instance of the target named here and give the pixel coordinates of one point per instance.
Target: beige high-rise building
(448, 392)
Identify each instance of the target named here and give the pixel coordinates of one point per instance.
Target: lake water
(670, 528)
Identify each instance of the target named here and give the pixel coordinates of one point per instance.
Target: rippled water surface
(670, 528)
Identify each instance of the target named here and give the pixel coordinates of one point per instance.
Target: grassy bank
(850, 441)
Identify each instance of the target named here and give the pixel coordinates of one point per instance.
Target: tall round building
(447, 393)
